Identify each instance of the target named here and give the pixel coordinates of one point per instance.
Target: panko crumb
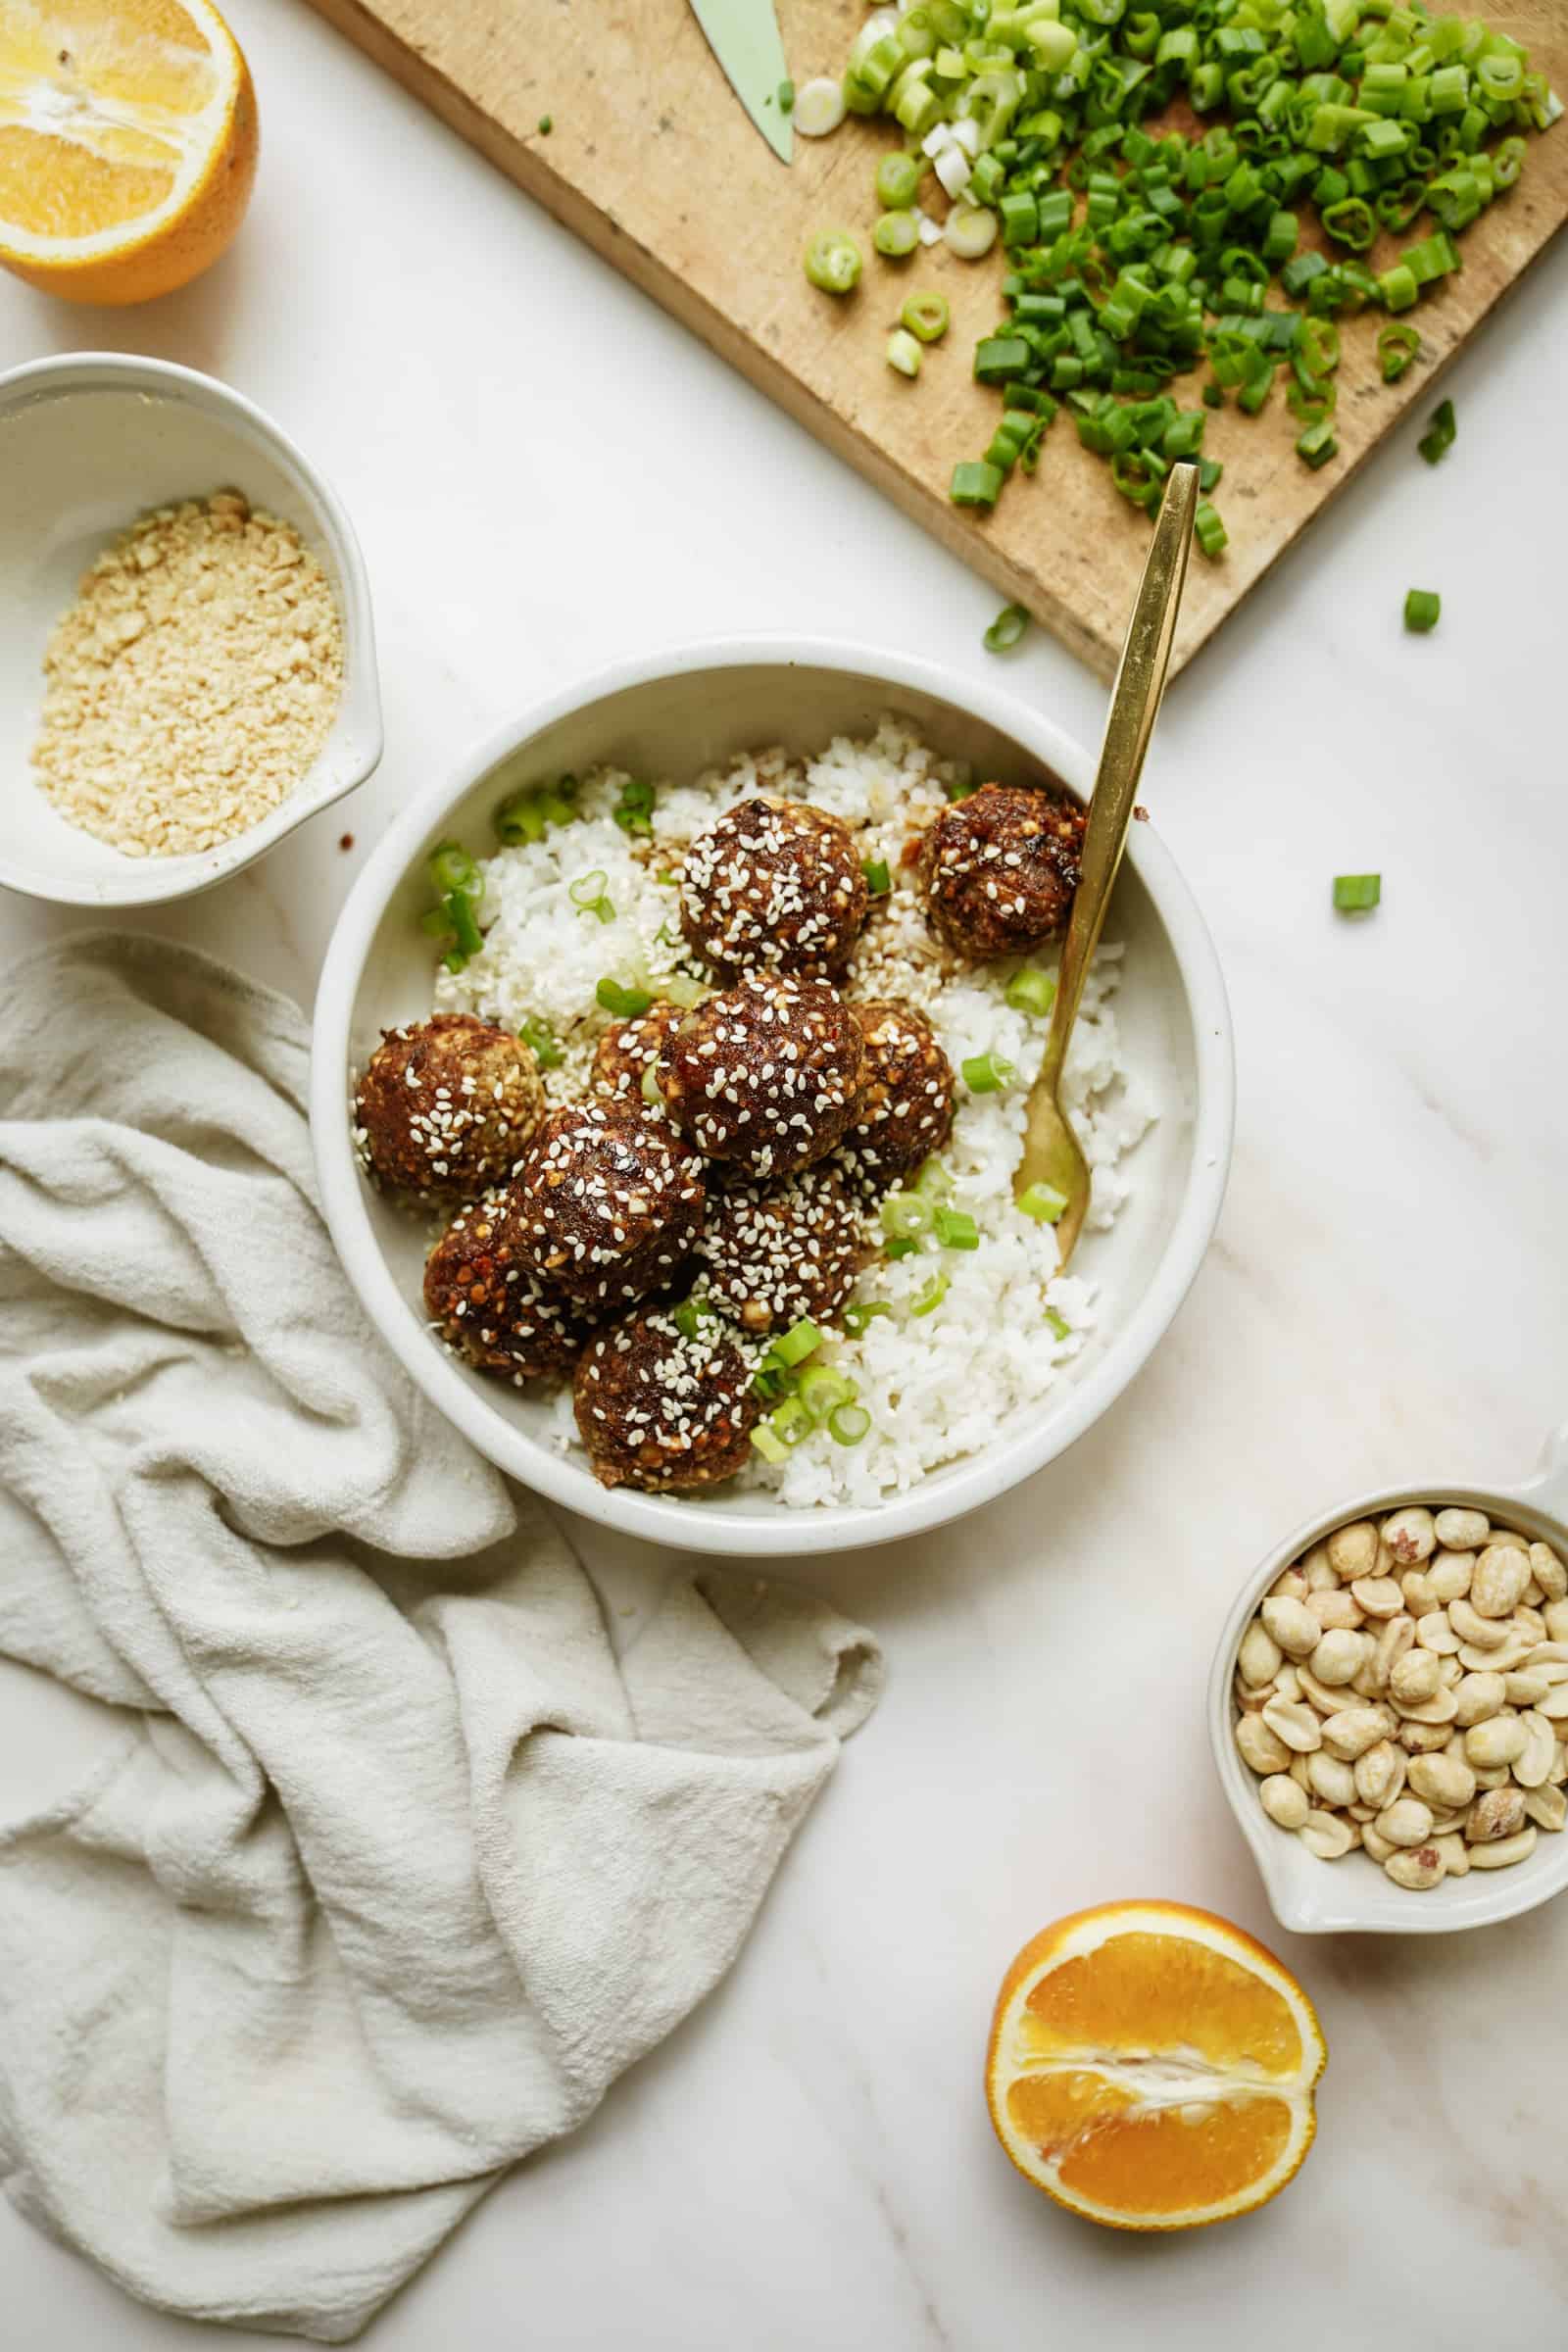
(192, 682)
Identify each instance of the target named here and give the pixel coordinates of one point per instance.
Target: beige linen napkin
(383, 1866)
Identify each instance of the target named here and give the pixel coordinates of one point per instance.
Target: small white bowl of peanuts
(1389, 1708)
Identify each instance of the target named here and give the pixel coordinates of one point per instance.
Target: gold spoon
(1052, 1155)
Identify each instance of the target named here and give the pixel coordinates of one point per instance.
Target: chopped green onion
(819, 107)
(1210, 530)
(904, 354)
(1354, 894)
(587, 895)
(1421, 608)
(896, 235)
(926, 317)
(1058, 1324)
(541, 1043)
(790, 1422)
(833, 261)
(957, 1230)
(452, 869)
(988, 1073)
(768, 1445)
(848, 1424)
(520, 819)
(933, 1182)
(545, 126)
(633, 812)
(1006, 629)
(649, 1087)
(1044, 1204)
(786, 97)
(802, 1340)
(1399, 344)
(898, 180)
(822, 1388)
(861, 1313)
(624, 1003)
(878, 880)
(899, 1248)
(689, 1316)
(1318, 443)
(976, 483)
(460, 913)
(931, 1298)
(1439, 435)
(436, 923)
(902, 1214)
(1031, 991)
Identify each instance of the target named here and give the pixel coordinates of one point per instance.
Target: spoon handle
(1134, 707)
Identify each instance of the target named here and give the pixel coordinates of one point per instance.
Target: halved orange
(128, 144)
(1153, 2067)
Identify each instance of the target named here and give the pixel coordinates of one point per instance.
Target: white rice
(937, 1386)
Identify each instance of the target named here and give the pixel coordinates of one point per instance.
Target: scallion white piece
(971, 230)
(818, 107)
(952, 169)
(903, 351)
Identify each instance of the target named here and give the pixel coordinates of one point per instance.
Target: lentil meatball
(628, 1052)
(446, 1107)
(607, 1201)
(774, 883)
(790, 1249)
(658, 1410)
(766, 1076)
(491, 1306)
(1000, 868)
(905, 1111)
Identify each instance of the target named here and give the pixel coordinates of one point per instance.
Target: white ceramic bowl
(87, 443)
(674, 715)
(1353, 1896)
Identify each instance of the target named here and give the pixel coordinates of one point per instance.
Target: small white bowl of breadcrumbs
(187, 669)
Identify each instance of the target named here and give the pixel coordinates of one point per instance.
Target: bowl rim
(1508, 1894)
(671, 1520)
(148, 882)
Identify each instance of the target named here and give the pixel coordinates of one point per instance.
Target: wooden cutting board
(651, 160)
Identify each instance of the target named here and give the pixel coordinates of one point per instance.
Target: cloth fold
(385, 1864)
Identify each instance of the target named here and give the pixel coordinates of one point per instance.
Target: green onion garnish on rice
(848, 1424)
(822, 1388)
(452, 869)
(861, 1312)
(1031, 991)
(1058, 1324)
(541, 1043)
(931, 1298)
(624, 1003)
(904, 1214)
(878, 880)
(955, 1229)
(988, 1073)
(1044, 1204)
(802, 1340)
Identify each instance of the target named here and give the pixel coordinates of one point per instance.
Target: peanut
(1284, 1802)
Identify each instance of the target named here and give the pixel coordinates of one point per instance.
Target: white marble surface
(547, 473)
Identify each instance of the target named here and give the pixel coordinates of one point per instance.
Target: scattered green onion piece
(519, 820)
(899, 1248)
(926, 315)
(1421, 608)
(1031, 991)
(586, 892)
(822, 1388)
(878, 880)
(898, 181)
(1439, 435)
(848, 1424)
(767, 1445)
(1006, 629)
(902, 1214)
(1399, 343)
(689, 1316)
(926, 1302)
(541, 1043)
(1210, 530)
(896, 235)
(833, 261)
(802, 1340)
(988, 1074)
(436, 923)
(976, 483)
(1044, 1204)
(955, 1229)
(452, 869)
(1058, 1324)
(624, 1003)
(786, 97)
(633, 812)
(861, 1312)
(1318, 443)
(791, 1423)
(903, 353)
(1356, 894)
(545, 126)
(460, 914)
(649, 1087)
